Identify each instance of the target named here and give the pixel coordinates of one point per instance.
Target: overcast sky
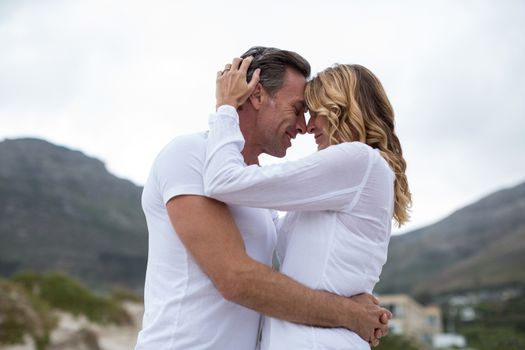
(118, 79)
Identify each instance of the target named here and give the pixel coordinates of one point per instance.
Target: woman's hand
(231, 86)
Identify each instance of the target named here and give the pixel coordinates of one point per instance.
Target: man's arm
(208, 231)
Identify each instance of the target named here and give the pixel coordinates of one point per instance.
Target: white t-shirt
(335, 236)
(183, 309)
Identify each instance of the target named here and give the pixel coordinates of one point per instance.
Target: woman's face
(318, 126)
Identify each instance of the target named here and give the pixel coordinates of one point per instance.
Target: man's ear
(256, 98)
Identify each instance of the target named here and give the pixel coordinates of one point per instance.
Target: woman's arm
(330, 179)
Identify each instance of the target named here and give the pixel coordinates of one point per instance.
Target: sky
(119, 79)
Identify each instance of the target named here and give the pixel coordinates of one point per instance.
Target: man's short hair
(273, 63)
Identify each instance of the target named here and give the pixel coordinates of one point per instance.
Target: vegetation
(123, 294)
(499, 326)
(397, 342)
(22, 313)
(28, 299)
(61, 292)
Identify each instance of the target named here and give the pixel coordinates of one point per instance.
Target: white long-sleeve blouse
(336, 233)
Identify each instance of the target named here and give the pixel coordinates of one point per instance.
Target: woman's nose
(310, 127)
(300, 125)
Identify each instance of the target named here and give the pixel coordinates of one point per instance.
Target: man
(209, 273)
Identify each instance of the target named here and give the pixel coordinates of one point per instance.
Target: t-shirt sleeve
(179, 168)
(330, 179)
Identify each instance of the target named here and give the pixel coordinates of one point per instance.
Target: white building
(411, 319)
(448, 340)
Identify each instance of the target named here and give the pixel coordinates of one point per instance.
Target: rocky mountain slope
(60, 209)
(481, 246)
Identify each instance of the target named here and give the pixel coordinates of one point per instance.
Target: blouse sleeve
(330, 179)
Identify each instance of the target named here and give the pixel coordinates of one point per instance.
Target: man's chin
(282, 153)
(278, 153)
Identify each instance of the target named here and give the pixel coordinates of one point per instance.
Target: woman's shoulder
(373, 155)
(348, 155)
(351, 148)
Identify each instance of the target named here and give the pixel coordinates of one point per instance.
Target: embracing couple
(213, 228)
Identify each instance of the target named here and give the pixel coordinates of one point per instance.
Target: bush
(397, 342)
(23, 314)
(64, 293)
(124, 294)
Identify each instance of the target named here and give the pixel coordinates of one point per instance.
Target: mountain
(481, 246)
(60, 209)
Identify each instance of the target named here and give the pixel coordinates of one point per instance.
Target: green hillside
(62, 210)
(481, 246)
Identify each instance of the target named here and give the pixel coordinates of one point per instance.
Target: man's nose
(300, 125)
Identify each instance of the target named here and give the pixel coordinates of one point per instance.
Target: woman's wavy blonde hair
(356, 107)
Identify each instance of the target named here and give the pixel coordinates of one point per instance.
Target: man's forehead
(292, 76)
(294, 83)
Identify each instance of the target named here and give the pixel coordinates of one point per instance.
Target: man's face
(281, 117)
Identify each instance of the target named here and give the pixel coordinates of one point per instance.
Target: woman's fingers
(236, 63)
(245, 64)
(231, 86)
(239, 64)
(255, 79)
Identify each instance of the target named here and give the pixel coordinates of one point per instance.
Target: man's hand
(231, 86)
(371, 321)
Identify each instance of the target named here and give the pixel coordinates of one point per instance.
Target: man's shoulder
(185, 145)
(195, 140)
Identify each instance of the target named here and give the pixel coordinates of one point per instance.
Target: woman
(337, 237)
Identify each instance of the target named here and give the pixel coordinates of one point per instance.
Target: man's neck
(250, 156)
(251, 150)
